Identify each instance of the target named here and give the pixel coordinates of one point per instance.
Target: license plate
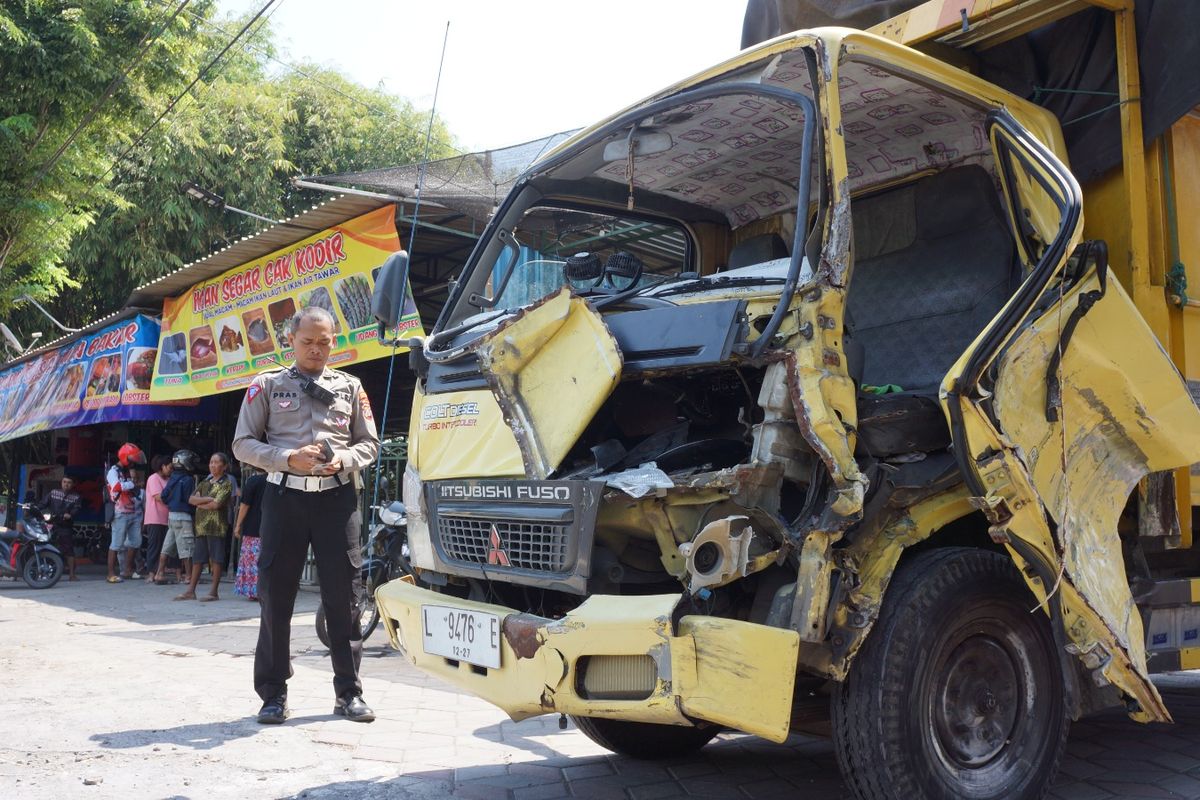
(470, 636)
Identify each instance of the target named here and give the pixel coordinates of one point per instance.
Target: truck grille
(514, 543)
(527, 532)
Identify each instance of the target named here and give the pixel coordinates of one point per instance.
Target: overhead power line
(171, 105)
(144, 47)
(199, 77)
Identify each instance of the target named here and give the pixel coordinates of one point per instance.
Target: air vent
(616, 677)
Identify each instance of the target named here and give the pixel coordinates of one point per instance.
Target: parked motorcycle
(29, 552)
(385, 558)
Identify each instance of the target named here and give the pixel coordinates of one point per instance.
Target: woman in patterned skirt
(245, 529)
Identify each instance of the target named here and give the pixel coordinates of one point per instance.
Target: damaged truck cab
(778, 402)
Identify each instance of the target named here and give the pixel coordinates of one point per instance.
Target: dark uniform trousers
(330, 522)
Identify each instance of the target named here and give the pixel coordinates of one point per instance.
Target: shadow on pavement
(138, 601)
(738, 767)
(196, 737)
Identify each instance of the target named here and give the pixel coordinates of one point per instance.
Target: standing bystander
(62, 504)
(211, 499)
(127, 522)
(155, 520)
(312, 429)
(245, 530)
(181, 534)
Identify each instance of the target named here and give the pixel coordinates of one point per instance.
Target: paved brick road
(115, 691)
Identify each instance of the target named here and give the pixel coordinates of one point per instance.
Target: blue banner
(102, 377)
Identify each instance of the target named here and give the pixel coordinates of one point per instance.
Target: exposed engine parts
(719, 553)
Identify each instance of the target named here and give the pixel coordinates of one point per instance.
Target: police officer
(311, 429)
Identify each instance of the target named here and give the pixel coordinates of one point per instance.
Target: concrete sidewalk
(116, 691)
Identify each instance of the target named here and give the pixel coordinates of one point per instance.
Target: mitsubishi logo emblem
(496, 554)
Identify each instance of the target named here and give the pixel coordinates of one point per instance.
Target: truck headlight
(420, 546)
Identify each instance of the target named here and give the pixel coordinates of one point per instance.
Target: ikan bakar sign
(104, 377)
(221, 333)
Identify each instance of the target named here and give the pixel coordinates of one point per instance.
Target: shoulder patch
(364, 405)
(253, 392)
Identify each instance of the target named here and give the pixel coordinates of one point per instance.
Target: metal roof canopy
(445, 240)
(248, 248)
(472, 183)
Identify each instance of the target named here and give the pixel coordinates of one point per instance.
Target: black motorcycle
(29, 552)
(385, 558)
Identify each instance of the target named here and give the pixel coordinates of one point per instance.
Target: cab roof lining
(737, 155)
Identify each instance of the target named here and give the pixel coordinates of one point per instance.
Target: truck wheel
(958, 692)
(645, 740)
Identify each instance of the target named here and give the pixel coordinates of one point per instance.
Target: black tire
(370, 617)
(645, 740)
(367, 623)
(322, 629)
(42, 570)
(958, 692)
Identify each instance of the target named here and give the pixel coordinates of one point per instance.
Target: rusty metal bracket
(811, 601)
(1002, 498)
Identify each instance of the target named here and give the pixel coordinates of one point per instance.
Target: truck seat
(920, 292)
(756, 250)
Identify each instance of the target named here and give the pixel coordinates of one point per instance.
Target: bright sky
(515, 70)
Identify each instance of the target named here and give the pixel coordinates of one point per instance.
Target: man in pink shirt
(155, 520)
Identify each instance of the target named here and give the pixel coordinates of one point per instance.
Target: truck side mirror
(391, 286)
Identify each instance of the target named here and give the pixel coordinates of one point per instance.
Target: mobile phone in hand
(326, 451)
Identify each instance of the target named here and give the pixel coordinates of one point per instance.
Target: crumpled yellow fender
(1125, 413)
(551, 367)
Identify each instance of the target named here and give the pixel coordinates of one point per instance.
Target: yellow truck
(814, 393)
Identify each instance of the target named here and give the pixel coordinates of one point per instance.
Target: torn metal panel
(550, 366)
(1125, 412)
(743, 674)
(812, 586)
(777, 440)
(825, 431)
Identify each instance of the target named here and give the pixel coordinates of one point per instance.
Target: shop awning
(230, 325)
(100, 375)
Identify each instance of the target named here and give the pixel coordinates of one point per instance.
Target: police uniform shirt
(277, 418)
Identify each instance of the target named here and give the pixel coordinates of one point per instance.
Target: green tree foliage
(244, 133)
(58, 59)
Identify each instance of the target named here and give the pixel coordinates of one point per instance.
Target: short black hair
(158, 461)
(311, 312)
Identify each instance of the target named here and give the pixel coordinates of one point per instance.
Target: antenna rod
(412, 235)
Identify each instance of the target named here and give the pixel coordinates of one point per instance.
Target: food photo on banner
(222, 332)
(103, 377)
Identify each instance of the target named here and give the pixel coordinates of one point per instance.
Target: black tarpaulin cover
(1069, 66)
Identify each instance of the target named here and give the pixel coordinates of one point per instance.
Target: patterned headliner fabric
(740, 154)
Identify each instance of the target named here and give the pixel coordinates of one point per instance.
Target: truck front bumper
(615, 657)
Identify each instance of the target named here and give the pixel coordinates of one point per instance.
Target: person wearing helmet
(123, 491)
(181, 532)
